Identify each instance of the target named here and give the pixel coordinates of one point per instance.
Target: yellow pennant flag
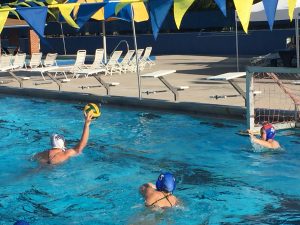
(3, 18)
(180, 8)
(139, 9)
(99, 15)
(243, 9)
(292, 5)
(140, 12)
(65, 10)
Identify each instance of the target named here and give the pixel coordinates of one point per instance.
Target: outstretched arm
(85, 134)
(259, 141)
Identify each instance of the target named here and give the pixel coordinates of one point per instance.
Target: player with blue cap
(267, 135)
(21, 222)
(161, 194)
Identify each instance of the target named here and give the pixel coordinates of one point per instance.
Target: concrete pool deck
(191, 71)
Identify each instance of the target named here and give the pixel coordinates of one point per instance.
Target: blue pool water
(220, 178)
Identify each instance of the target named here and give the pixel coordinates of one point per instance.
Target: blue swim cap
(269, 130)
(21, 222)
(166, 182)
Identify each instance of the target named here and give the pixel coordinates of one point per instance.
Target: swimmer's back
(160, 199)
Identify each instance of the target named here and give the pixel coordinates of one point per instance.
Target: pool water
(221, 179)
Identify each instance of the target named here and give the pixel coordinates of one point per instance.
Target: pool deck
(191, 71)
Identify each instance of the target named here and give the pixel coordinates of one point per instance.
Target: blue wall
(205, 43)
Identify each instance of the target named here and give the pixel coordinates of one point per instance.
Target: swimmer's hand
(251, 134)
(88, 118)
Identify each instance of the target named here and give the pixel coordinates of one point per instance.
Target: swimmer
(21, 222)
(161, 194)
(267, 134)
(58, 152)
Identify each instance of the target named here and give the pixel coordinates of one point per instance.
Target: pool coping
(225, 111)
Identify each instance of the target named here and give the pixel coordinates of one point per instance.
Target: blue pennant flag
(86, 11)
(125, 13)
(35, 17)
(158, 11)
(270, 9)
(109, 10)
(222, 6)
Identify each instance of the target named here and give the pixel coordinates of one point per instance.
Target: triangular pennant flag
(86, 11)
(158, 11)
(109, 10)
(120, 6)
(99, 15)
(65, 10)
(270, 9)
(222, 6)
(3, 18)
(292, 5)
(140, 12)
(180, 8)
(36, 22)
(243, 9)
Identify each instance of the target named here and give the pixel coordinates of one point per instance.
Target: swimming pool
(221, 180)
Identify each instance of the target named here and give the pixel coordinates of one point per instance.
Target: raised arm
(85, 134)
(259, 141)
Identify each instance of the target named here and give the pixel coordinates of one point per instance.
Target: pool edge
(233, 112)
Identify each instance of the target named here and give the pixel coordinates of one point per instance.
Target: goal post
(273, 95)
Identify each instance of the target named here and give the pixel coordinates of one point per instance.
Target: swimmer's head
(21, 222)
(166, 182)
(57, 141)
(267, 131)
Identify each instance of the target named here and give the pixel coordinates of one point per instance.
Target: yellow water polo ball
(92, 107)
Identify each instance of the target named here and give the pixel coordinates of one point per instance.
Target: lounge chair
(98, 60)
(145, 59)
(77, 66)
(132, 63)
(18, 63)
(5, 62)
(113, 64)
(50, 60)
(125, 64)
(36, 60)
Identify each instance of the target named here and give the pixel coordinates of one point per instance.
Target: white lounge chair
(132, 63)
(125, 64)
(79, 63)
(50, 60)
(145, 59)
(98, 60)
(19, 61)
(36, 60)
(113, 64)
(5, 62)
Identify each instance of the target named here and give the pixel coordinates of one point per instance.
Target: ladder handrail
(122, 41)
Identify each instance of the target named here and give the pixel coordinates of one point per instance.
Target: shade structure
(282, 13)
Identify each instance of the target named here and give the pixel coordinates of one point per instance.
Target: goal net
(273, 95)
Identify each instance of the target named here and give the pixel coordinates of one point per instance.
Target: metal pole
(297, 39)
(236, 43)
(136, 56)
(104, 41)
(63, 37)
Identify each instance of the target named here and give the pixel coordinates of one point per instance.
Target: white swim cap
(58, 141)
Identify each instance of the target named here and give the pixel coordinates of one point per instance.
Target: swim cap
(58, 141)
(21, 222)
(166, 182)
(269, 130)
